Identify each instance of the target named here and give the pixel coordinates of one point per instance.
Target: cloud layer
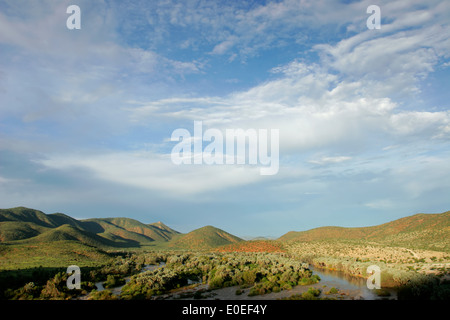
(86, 116)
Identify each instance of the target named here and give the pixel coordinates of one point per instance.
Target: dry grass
(353, 257)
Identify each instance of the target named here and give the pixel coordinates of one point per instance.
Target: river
(353, 286)
(117, 290)
(349, 287)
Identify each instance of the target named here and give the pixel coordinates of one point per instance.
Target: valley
(413, 254)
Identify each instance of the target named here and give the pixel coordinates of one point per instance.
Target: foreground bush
(263, 272)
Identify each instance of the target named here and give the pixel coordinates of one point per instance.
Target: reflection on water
(354, 286)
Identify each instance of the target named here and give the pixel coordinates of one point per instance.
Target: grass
(52, 254)
(354, 256)
(420, 231)
(253, 246)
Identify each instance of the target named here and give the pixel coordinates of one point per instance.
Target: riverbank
(398, 265)
(333, 285)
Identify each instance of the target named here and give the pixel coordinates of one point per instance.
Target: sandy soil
(229, 293)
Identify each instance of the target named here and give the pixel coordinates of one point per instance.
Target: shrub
(113, 281)
(311, 294)
(333, 290)
(102, 295)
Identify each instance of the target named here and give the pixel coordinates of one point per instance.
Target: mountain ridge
(31, 225)
(24, 225)
(427, 230)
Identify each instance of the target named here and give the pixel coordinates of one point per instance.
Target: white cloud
(431, 125)
(309, 106)
(334, 114)
(330, 160)
(156, 172)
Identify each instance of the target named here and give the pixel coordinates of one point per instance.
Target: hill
(29, 226)
(428, 231)
(22, 214)
(204, 238)
(126, 228)
(164, 229)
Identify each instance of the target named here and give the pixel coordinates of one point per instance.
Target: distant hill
(31, 238)
(29, 225)
(68, 232)
(22, 214)
(126, 228)
(428, 231)
(204, 238)
(26, 234)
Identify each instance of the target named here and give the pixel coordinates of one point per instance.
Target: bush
(333, 290)
(113, 281)
(309, 280)
(102, 295)
(311, 294)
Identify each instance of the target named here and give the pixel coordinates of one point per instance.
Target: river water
(349, 286)
(353, 286)
(117, 290)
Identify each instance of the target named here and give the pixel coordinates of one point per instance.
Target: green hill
(16, 230)
(204, 238)
(428, 231)
(22, 214)
(60, 218)
(129, 229)
(30, 238)
(29, 225)
(68, 232)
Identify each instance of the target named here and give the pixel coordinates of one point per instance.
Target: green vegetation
(30, 238)
(27, 226)
(50, 283)
(411, 252)
(420, 231)
(332, 290)
(113, 281)
(102, 295)
(54, 289)
(36, 248)
(55, 254)
(426, 287)
(311, 294)
(264, 273)
(204, 238)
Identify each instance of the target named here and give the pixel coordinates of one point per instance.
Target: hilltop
(204, 238)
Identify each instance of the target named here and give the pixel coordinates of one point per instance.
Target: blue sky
(86, 115)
